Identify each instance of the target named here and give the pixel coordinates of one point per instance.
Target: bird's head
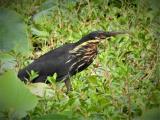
(99, 35)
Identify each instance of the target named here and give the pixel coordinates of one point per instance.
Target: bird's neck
(84, 39)
(83, 54)
(90, 45)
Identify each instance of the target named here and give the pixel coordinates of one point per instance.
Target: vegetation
(122, 83)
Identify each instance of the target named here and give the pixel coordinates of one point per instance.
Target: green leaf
(13, 32)
(6, 62)
(33, 75)
(15, 99)
(48, 4)
(41, 90)
(52, 79)
(153, 114)
(43, 17)
(39, 33)
(93, 79)
(56, 117)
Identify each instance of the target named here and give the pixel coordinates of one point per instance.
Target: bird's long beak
(109, 34)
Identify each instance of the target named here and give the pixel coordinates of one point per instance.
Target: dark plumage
(66, 60)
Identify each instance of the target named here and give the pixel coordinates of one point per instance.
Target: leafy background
(122, 83)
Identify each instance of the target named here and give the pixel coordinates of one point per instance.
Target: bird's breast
(81, 57)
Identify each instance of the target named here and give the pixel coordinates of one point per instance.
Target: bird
(67, 60)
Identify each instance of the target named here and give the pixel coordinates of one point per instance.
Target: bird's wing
(51, 62)
(57, 53)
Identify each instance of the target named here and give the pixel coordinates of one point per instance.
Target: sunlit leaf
(41, 90)
(39, 33)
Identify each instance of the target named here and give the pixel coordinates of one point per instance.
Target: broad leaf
(6, 62)
(13, 32)
(15, 98)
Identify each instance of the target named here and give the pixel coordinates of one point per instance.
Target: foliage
(56, 117)
(13, 32)
(7, 61)
(123, 82)
(152, 114)
(15, 99)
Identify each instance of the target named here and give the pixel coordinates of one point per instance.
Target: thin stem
(129, 98)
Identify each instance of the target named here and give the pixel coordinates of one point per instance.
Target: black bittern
(66, 60)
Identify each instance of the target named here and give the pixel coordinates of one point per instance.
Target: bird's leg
(68, 85)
